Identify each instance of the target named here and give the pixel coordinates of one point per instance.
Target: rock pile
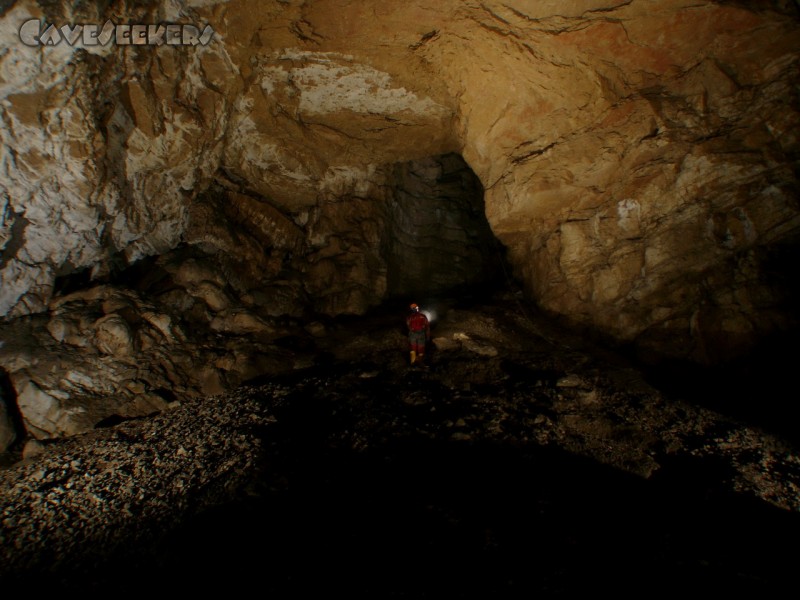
(99, 497)
(94, 508)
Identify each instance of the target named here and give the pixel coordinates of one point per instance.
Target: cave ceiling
(638, 159)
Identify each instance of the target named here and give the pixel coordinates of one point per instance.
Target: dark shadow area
(784, 7)
(144, 275)
(759, 388)
(753, 378)
(73, 281)
(8, 398)
(405, 516)
(424, 519)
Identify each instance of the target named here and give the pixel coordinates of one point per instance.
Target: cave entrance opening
(438, 242)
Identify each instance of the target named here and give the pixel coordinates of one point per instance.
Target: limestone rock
(637, 165)
(32, 449)
(476, 346)
(241, 323)
(113, 336)
(44, 413)
(212, 295)
(73, 370)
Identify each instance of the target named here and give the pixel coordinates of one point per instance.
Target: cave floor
(520, 461)
(346, 507)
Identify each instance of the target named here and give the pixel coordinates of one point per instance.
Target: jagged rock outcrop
(104, 354)
(205, 317)
(639, 160)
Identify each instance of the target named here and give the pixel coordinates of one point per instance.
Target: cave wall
(438, 240)
(656, 162)
(639, 159)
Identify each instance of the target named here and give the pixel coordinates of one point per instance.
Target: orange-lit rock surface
(638, 158)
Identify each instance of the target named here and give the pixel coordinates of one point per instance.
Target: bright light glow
(431, 314)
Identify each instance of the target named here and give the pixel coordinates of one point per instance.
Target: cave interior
(595, 206)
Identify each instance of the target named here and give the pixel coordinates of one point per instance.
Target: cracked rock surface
(639, 159)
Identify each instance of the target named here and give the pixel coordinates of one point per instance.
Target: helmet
(414, 306)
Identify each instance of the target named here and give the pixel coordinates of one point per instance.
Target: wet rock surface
(519, 461)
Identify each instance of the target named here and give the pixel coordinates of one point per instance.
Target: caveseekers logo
(38, 33)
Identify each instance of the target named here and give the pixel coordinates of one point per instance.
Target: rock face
(638, 163)
(104, 355)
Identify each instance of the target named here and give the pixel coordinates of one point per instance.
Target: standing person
(419, 333)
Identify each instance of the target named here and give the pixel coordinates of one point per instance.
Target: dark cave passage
(438, 241)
